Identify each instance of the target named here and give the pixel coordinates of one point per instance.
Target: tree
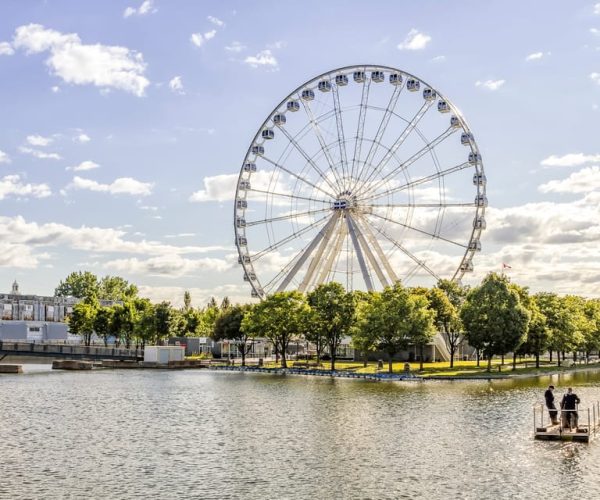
(124, 321)
(494, 318)
(102, 323)
(559, 322)
(332, 315)
(191, 322)
(363, 340)
(187, 300)
(164, 321)
(592, 339)
(280, 317)
(538, 335)
(421, 319)
(229, 327)
(81, 320)
(145, 326)
(225, 303)
(78, 284)
(386, 320)
(447, 312)
(116, 288)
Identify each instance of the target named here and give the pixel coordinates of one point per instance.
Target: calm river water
(199, 434)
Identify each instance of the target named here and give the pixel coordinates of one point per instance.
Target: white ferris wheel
(364, 175)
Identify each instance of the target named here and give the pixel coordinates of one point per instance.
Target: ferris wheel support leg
(359, 253)
(373, 261)
(329, 229)
(306, 254)
(379, 251)
(333, 253)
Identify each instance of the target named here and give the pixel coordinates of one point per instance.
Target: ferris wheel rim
(312, 83)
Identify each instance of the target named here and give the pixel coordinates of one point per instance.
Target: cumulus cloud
(490, 84)
(264, 58)
(122, 185)
(82, 138)
(4, 158)
(199, 39)
(535, 56)
(415, 40)
(216, 21)
(6, 49)
(38, 140)
(216, 188)
(595, 77)
(597, 9)
(583, 181)
(171, 266)
(12, 185)
(147, 7)
(235, 47)
(570, 160)
(42, 155)
(200, 296)
(80, 64)
(83, 166)
(176, 85)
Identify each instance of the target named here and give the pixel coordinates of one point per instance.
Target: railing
(570, 419)
(68, 349)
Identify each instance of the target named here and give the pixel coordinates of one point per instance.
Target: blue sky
(115, 113)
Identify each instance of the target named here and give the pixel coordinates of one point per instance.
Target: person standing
(569, 408)
(549, 396)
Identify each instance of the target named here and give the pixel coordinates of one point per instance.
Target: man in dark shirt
(549, 396)
(569, 409)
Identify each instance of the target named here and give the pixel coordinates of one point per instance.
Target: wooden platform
(557, 433)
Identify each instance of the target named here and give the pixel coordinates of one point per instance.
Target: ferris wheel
(364, 175)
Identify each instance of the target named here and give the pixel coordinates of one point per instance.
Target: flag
(506, 266)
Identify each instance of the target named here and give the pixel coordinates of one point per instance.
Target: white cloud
(6, 49)
(11, 185)
(200, 296)
(570, 160)
(595, 77)
(122, 185)
(42, 155)
(172, 266)
(38, 140)
(74, 62)
(595, 31)
(216, 21)
(55, 89)
(147, 7)
(438, 59)
(279, 44)
(535, 56)
(490, 84)
(263, 58)
(216, 188)
(415, 40)
(84, 165)
(176, 85)
(82, 138)
(597, 9)
(235, 47)
(584, 181)
(180, 235)
(4, 158)
(198, 39)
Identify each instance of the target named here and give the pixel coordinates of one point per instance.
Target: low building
(163, 354)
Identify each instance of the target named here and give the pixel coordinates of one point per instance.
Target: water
(199, 434)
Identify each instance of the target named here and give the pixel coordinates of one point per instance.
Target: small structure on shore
(586, 427)
(163, 354)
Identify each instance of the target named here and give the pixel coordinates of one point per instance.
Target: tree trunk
(421, 357)
(283, 359)
(537, 359)
(452, 352)
(550, 351)
(514, 361)
(390, 368)
(489, 365)
(243, 352)
(575, 356)
(564, 355)
(478, 358)
(558, 357)
(502, 363)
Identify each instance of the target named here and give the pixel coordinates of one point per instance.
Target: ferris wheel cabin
(279, 120)
(377, 76)
(307, 95)
(359, 76)
(341, 80)
(413, 85)
(324, 86)
(258, 150)
(293, 106)
(396, 79)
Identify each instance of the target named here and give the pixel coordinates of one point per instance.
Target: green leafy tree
(592, 340)
(446, 299)
(81, 320)
(559, 322)
(280, 317)
(116, 288)
(79, 284)
(422, 329)
(332, 315)
(187, 300)
(124, 321)
(102, 323)
(363, 340)
(228, 326)
(225, 303)
(495, 320)
(386, 319)
(165, 321)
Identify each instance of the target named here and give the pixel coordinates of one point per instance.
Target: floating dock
(585, 424)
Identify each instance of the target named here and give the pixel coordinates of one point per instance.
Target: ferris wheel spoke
(310, 161)
(340, 133)
(287, 195)
(408, 253)
(360, 128)
(299, 177)
(405, 164)
(417, 182)
(389, 111)
(421, 205)
(403, 136)
(286, 217)
(287, 239)
(322, 143)
(416, 229)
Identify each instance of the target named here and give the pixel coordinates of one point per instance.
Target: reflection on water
(197, 434)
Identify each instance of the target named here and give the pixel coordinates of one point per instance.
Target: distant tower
(15, 288)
